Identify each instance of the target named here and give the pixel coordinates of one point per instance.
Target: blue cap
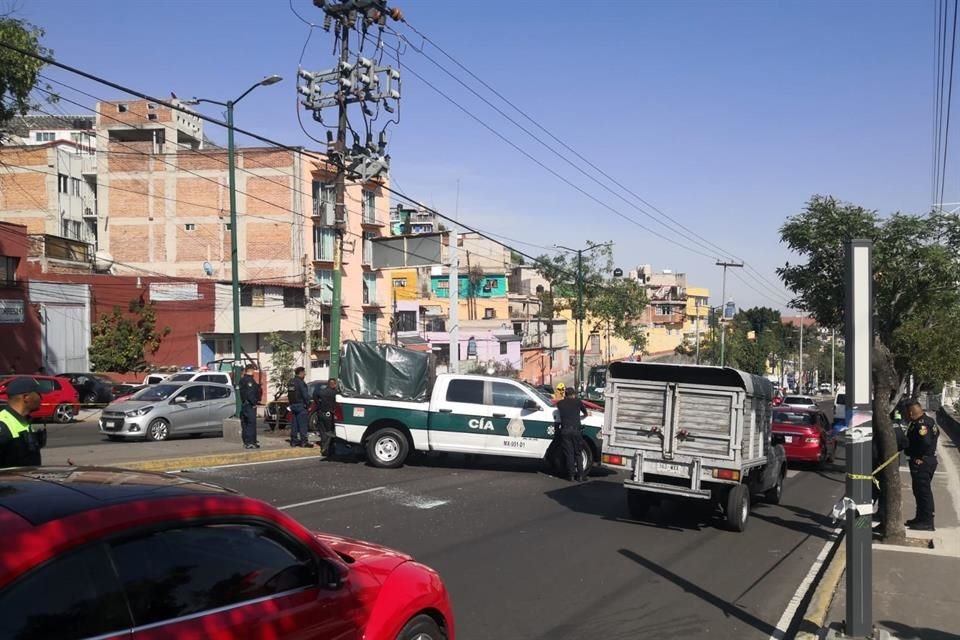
(21, 385)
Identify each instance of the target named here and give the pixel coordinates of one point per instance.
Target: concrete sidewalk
(915, 595)
(176, 454)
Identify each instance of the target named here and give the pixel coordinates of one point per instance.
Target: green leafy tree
(19, 73)
(916, 267)
(120, 341)
(618, 306)
(283, 357)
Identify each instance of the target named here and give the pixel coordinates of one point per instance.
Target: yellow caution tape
(873, 474)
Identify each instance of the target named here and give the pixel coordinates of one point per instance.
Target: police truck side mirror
(531, 404)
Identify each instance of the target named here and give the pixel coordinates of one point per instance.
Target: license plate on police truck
(671, 469)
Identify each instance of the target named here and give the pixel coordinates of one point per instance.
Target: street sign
(11, 311)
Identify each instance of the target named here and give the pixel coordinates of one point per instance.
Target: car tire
(422, 627)
(737, 511)
(63, 414)
(638, 503)
(158, 430)
(387, 448)
(89, 399)
(775, 493)
(313, 425)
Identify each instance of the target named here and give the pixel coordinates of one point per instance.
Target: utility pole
(833, 360)
(453, 295)
(307, 346)
(356, 83)
(800, 361)
(697, 306)
(723, 307)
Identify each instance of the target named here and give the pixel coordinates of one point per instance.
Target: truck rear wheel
(737, 510)
(774, 493)
(387, 448)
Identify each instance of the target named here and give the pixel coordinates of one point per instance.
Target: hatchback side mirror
(180, 400)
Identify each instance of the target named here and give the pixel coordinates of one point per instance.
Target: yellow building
(599, 347)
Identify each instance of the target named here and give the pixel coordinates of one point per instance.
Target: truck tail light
(726, 474)
(618, 461)
(337, 413)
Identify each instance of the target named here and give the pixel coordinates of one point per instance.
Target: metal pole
(307, 338)
(833, 360)
(858, 437)
(580, 315)
(698, 332)
(723, 310)
(339, 214)
(453, 295)
(234, 257)
(800, 366)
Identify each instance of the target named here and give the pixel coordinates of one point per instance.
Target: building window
(75, 186)
(664, 309)
(151, 116)
(251, 296)
(293, 298)
(369, 206)
(324, 278)
(594, 343)
(489, 313)
(63, 183)
(406, 321)
(121, 108)
(369, 327)
(44, 136)
(75, 224)
(368, 236)
(151, 106)
(8, 270)
(400, 282)
(369, 288)
(503, 348)
(323, 242)
(324, 201)
(189, 227)
(436, 324)
(228, 226)
(443, 285)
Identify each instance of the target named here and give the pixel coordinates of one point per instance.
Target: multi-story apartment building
(41, 129)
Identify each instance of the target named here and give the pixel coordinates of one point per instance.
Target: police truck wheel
(421, 627)
(387, 448)
(585, 460)
(158, 430)
(737, 510)
(314, 423)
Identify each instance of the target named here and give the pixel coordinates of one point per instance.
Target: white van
(155, 378)
(840, 407)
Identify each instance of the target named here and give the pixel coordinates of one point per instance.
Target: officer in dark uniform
(297, 397)
(20, 444)
(570, 410)
(326, 399)
(922, 436)
(250, 397)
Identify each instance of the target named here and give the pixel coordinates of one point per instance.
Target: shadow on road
(728, 608)
(812, 524)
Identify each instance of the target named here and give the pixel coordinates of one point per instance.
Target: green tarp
(385, 371)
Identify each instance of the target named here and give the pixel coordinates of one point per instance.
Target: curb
(815, 617)
(193, 462)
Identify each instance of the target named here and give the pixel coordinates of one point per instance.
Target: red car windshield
(800, 418)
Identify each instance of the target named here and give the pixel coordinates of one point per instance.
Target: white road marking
(780, 631)
(239, 464)
(411, 500)
(793, 473)
(329, 498)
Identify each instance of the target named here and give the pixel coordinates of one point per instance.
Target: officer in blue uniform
(297, 398)
(250, 398)
(922, 436)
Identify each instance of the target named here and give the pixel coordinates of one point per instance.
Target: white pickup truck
(685, 431)
(464, 414)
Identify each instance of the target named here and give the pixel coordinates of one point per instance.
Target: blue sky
(727, 116)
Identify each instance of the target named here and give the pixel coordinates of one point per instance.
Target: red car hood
(368, 557)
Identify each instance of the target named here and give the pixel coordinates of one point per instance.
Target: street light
(234, 259)
(580, 312)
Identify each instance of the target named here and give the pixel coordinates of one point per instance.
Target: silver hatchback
(167, 409)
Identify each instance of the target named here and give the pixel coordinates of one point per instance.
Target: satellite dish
(208, 268)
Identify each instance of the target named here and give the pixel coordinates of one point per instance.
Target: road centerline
(329, 498)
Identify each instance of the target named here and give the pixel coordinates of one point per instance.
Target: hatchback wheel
(63, 413)
(158, 430)
(422, 627)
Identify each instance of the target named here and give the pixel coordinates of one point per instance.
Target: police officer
(569, 411)
(326, 399)
(922, 436)
(250, 397)
(297, 398)
(19, 444)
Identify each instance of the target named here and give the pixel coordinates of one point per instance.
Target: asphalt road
(526, 555)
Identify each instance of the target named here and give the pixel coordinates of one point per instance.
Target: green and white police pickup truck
(464, 414)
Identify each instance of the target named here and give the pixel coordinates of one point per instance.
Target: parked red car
(118, 554)
(807, 434)
(59, 400)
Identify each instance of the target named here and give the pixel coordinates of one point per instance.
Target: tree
(19, 73)
(916, 264)
(282, 359)
(616, 304)
(119, 341)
